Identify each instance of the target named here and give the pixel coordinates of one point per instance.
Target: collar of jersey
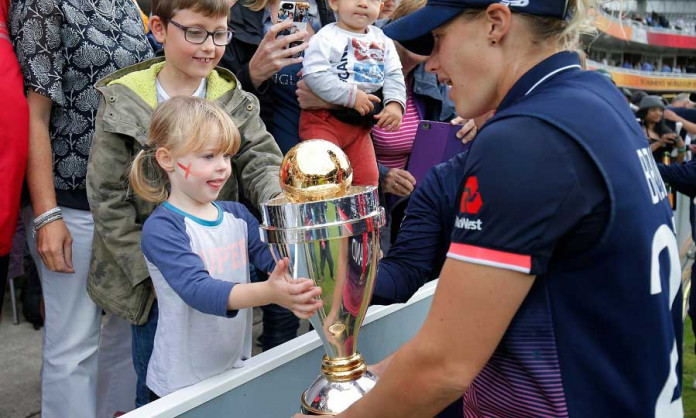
(196, 219)
(539, 74)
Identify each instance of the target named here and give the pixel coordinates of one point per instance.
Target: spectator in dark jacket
(257, 54)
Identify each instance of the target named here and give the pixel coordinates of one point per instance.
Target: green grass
(688, 392)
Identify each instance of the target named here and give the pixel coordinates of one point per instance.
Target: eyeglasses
(198, 35)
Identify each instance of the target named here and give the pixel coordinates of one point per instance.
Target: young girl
(196, 248)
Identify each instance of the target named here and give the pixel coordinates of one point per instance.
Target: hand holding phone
(274, 52)
(298, 13)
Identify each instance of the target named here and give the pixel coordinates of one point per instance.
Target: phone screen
(298, 12)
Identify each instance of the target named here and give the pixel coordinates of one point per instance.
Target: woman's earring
(493, 42)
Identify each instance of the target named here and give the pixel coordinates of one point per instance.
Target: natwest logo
(471, 198)
(468, 224)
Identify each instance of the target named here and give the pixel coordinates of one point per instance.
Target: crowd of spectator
(669, 126)
(653, 20)
(649, 66)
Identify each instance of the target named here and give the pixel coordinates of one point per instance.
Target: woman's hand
(389, 118)
(54, 243)
(299, 295)
(471, 126)
(273, 53)
(468, 131)
(399, 182)
(307, 99)
(668, 138)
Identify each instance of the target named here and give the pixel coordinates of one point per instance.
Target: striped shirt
(393, 148)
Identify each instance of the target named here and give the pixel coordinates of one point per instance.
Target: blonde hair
(565, 34)
(181, 125)
(166, 9)
(256, 5)
(406, 7)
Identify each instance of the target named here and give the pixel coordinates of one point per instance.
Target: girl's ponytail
(148, 179)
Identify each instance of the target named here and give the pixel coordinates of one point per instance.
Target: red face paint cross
(198, 179)
(186, 168)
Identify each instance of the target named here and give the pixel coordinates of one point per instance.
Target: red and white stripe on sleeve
(493, 258)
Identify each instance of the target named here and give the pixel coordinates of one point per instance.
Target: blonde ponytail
(581, 23)
(565, 33)
(147, 178)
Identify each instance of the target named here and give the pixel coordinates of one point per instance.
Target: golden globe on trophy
(330, 232)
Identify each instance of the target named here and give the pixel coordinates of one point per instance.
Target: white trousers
(116, 381)
(71, 329)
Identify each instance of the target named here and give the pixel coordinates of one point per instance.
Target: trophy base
(342, 382)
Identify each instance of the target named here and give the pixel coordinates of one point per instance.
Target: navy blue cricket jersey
(599, 334)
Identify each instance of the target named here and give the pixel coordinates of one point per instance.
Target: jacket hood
(130, 97)
(140, 78)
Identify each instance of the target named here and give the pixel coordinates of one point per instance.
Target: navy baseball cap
(413, 30)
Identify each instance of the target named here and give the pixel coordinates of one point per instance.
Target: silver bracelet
(46, 221)
(46, 218)
(46, 214)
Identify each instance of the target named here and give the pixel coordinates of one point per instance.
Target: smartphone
(435, 143)
(298, 12)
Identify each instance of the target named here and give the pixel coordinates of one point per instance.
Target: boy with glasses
(349, 63)
(194, 34)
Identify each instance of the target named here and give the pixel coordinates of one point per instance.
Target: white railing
(270, 384)
(689, 30)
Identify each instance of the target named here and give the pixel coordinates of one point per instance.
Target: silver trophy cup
(335, 242)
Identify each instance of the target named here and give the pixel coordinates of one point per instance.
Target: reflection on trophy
(330, 232)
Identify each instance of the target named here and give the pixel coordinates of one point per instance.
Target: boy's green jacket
(118, 279)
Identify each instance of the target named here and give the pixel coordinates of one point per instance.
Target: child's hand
(299, 295)
(390, 117)
(363, 102)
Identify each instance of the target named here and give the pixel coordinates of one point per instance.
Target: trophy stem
(343, 381)
(343, 369)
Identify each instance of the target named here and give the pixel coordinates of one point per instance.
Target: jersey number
(664, 239)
